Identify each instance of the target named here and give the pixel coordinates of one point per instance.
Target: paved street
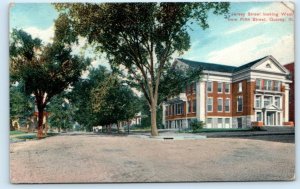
(97, 158)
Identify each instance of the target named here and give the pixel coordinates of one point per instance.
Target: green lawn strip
(212, 130)
(32, 136)
(16, 132)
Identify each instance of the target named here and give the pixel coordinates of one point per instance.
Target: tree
(114, 101)
(80, 97)
(45, 70)
(142, 37)
(21, 105)
(61, 112)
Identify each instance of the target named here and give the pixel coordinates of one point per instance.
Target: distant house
(232, 97)
(291, 68)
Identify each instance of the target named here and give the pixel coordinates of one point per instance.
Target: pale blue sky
(225, 42)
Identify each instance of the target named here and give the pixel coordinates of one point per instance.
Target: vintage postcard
(151, 92)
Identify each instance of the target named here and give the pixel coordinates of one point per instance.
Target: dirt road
(96, 158)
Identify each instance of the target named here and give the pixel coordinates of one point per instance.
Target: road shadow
(273, 138)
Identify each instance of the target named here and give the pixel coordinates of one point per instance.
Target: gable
(269, 65)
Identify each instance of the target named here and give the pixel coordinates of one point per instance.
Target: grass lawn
(15, 135)
(211, 130)
(16, 132)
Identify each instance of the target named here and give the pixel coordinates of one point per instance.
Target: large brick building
(291, 68)
(232, 97)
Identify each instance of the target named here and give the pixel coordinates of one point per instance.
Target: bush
(196, 125)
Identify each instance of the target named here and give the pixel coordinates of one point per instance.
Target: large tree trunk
(154, 131)
(40, 123)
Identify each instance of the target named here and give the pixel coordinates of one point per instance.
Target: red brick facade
(291, 68)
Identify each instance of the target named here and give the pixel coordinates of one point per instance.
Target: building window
(194, 88)
(258, 116)
(227, 87)
(258, 84)
(227, 122)
(220, 104)
(268, 85)
(210, 104)
(267, 100)
(257, 101)
(194, 105)
(209, 86)
(276, 86)
(189, 106)
(179, 109)
(174, 109)
(277, 102)
(240, 87)
(227, 105)
(240, 104)
(209, 122)
(220, 122)
(220, 87)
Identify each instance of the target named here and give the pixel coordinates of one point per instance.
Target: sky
(226, 42)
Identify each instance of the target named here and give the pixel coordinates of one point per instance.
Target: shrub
(196, 125)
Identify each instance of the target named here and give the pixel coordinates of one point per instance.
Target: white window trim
(211, 124)
(212, 104)
(212, 86)
(228, 88)
(260, 82)
(278, 83)
(221, 104)
(240, 83)
(222, 122)
(225, 104)
(237, 104)
(222, 85)
(280, 104)
(261, 115)
(193, 105)
(261, 103)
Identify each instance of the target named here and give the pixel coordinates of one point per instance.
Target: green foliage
(103, 99)
(21, 105)
(175, 79)
(114, 101)
(139, 37)
(16, 132)
(61, 112)
(45, 70)
(196, 125)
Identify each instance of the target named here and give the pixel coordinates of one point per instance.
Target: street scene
(76, 158)
(151, 92)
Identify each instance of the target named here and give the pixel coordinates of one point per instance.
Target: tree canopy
(45, 70)
(103, 99)
(140, 38)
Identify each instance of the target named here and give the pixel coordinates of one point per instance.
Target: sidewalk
(268, 131)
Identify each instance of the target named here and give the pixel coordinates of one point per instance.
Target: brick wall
(248, 89)
(215, 95)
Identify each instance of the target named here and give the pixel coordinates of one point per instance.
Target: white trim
(240, 87)
(237, 103)
(229, 105)
(221, 104)
(222, 86)
(212, 104)
(212, 86)
(227, 83)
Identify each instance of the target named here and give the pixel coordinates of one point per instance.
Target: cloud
(282, 49)
(242, 27)
(239, 52)
(45, 35)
